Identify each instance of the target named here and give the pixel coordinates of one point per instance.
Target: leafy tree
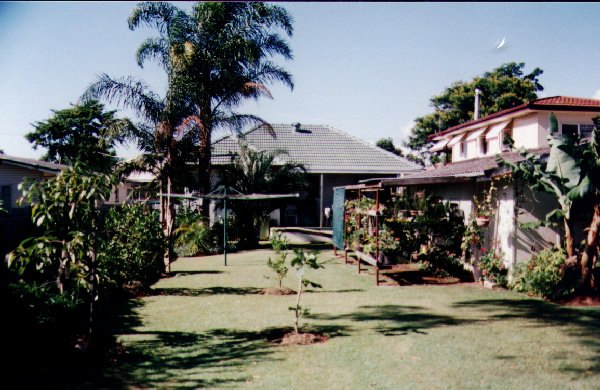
(65, 207)
(258, 172)
(220, 53)
(388, 145)
(85, 133)
(572, 174)
(505, 87)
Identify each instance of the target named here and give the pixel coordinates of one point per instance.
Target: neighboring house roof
(322, 149)
(466, 170)
(30, 163)
(553, 103)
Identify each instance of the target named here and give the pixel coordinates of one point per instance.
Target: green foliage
(84, 133)
(218, 54)
(472, 239)
(279, 242)
(132, 246)
(505, 87)
(486, 202)
(278, 266)
(388, 145)
(65, 207)
(40, 324)
(194, 235)
(491, 264)
(439, 262)
(547, 275)
(303, 261)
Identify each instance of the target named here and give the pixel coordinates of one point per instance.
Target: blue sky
(366, 68)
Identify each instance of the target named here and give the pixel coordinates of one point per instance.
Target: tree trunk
(205, 155)
(62, 269)
(588, 258)
(569, 243)
(297, 322)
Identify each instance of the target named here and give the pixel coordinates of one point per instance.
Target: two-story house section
(526, 124)
(473, 146)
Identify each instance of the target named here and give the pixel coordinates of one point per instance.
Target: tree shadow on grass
(197, 272)
(399, 320)
(581, 324)
(216, 358)
(197, 292)
(187, 360)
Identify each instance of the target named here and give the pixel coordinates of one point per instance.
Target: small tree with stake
(301, 262)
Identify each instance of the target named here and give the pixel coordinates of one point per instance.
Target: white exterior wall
(526, 131)
(505, 227)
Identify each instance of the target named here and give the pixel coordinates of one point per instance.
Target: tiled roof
(322, 149)
(32, 163)
(472, 168)
(566, 103)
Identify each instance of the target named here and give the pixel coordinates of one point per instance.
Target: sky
(368, 69)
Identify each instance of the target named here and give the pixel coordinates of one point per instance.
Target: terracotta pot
(482, 221)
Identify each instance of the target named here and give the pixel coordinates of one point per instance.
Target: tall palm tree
(220, 53)
(260, 172)
(166, 128)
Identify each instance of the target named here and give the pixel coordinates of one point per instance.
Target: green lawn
(208, 328)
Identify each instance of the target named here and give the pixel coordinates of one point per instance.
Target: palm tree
(165, 130)
(220, 53)
(260, 172)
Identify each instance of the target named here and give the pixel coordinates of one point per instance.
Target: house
(16, 224)
(13, 170)
(473, 146)
(331, 157)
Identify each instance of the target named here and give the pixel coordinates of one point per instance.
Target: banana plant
(571, 172)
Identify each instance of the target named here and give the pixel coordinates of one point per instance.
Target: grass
(207, 328)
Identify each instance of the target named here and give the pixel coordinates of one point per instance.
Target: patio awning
(477, 133)
(440, 145)
(496, 130)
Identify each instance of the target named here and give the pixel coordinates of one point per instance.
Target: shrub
(547, 275)
(491, 264)
(41, 325)
(194, 236)
(133, 246)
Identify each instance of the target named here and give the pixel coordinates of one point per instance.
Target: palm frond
(127, 92)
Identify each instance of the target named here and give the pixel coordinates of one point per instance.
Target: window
(5, 197)
(583, 131)
(483, 145)
(507, 134)
(463, 149)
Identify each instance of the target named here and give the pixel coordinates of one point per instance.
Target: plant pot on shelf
(482, 221)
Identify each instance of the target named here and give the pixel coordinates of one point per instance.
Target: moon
(501, 44)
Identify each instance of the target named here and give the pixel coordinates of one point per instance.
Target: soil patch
(580, 301)
(302, 339)
(411, 274)
(278, 291)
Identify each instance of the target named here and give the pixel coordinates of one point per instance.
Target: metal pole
(321, 202)
(225, 227)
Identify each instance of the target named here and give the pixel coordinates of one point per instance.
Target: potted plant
(485, 206)
(389, 247)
